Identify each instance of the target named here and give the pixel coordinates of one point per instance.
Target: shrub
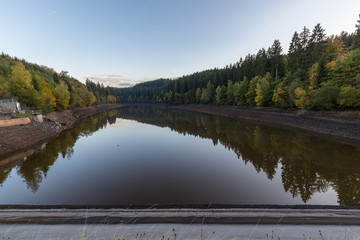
(348, 97)
(324, 98)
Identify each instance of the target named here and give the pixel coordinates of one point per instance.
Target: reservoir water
(145, 156)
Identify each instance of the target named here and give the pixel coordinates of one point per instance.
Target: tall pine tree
(356, 44)
(305, 54)
(276, 60)
(294, 53)
(317, 44)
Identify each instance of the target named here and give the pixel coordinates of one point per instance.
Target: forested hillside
(142, 92)
(42, 88)
(318, 72)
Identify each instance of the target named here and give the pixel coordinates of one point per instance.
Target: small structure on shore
(5, 113)
(38, 117)
(17, 107)
(11, 103)
(10, 107)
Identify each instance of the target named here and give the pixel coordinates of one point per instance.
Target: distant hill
(142, 92)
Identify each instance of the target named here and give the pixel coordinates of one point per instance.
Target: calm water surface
(156, 156)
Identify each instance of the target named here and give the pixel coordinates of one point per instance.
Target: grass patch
(22, 115)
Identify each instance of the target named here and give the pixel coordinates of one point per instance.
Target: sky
(124, 42)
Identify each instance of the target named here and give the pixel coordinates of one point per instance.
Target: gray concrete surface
(182, 216)
(182, 231)
(177, 224)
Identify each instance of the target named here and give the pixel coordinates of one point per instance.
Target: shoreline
(57, 122)
(19, 138)
(343, 126)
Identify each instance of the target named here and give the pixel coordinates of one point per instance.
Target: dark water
(155, 156)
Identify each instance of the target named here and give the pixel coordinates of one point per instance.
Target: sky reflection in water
(155, 156)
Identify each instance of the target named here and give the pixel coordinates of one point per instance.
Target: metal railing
(36, 112)
(7, 100)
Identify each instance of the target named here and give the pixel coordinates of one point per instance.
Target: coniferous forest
(318, 72)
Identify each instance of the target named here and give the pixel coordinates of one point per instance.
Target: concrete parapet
(14, 121)
(39, 118)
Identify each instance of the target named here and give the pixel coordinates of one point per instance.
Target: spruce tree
(294, 53)
(317, 44)
(276, 59)
(356, 44)
(305, 54)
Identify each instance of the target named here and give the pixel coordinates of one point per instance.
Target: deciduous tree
(62, 96)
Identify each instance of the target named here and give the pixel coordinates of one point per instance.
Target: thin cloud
(117, 80)
(116, 76)
(112, 80)
(125, 84)
(52, 13)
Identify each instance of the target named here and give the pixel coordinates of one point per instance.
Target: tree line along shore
(319, 72)
(342, 126)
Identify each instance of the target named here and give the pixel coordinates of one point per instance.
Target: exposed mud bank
(16, 138)
(344, 125)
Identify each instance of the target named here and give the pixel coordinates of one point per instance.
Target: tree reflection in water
(308, 164)
(36, 166)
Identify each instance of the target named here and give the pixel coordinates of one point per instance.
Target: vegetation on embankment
(318, 72)
(20, 137)
(42, 88)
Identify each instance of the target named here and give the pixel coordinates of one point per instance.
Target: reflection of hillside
(308, 164)
(4, 172)
(35, 168)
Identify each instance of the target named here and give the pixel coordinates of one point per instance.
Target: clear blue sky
(130, 41)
